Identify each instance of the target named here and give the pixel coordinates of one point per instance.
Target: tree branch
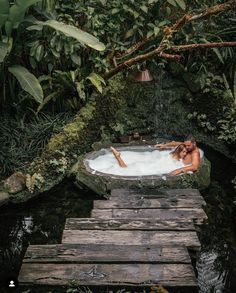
(159, 53)
(139, 58)
(168, 32)
(179, 23)
(189, 47)
(214, 9)
(133, 48)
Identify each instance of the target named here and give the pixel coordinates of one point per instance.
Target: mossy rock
(102, 183)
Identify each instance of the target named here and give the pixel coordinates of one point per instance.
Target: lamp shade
(143, 75)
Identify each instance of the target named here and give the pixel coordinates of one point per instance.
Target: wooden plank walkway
(136, 238)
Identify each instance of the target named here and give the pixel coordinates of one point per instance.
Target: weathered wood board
(162, 238)
(101, 253)
(164, 214)
(107, 274)
(155, 192)
(147, 203)
(136, 238)
(129, 224)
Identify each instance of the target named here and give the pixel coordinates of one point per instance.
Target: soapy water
(138, 163)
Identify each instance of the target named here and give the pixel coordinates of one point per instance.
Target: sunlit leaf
(156, 30)
(96, 80)
(76, 33)
(168, 10)
(47, 99)
(28, 82)
(172, 2)
(76, 59)
(144, 8)
(218, 54)
(129, 33)
(181, 4)
(80, 90)
(39, 53)
(115, 10)
(149, 34)
(5, 48)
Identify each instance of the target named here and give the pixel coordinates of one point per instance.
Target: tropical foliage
(21, 140)
(14, 23)
(53, 54)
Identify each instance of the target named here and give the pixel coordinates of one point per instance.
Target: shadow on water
(41, 221)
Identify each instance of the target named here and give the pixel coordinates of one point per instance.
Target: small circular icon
(12, 285)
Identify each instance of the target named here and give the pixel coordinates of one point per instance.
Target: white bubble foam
(138, 163)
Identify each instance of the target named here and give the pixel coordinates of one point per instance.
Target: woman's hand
(176, 172)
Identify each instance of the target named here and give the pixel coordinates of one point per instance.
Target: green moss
(72, 131)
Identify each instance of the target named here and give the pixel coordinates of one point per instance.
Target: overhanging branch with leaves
(168, 32)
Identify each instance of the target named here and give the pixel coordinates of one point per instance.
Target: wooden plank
(186, 192)
(108, 274)
(100, 253)
(128, 224)
(164, 214)
(155, 192)
(163, 203)
(162, 238)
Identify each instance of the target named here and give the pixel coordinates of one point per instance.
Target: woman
(179, 153)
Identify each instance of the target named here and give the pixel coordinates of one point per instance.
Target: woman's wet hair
(178, 149)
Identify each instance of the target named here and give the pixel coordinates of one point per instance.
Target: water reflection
(216, 265)
(210, 279)
(40, 221)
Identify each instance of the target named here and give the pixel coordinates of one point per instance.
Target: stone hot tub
(147, 167)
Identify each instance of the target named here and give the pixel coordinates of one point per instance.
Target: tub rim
(95, 154)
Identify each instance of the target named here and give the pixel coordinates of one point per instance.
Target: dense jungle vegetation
(55, 55)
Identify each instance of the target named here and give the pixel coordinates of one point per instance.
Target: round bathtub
(147, 167)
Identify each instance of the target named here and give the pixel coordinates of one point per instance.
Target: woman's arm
(193, 167)
(168, 144)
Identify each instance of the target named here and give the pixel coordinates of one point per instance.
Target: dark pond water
(41, 221)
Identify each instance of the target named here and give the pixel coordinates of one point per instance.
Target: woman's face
(183, 154)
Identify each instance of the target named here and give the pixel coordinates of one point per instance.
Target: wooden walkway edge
(135, 238)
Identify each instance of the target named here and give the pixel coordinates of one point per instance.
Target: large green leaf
(218, 54)
(3, 51)
(4, 11)
(17, 11)
(47, 99)
(16, 15)
(96, 80)
(28, 82)
(8, 28)
(181, 4)
(172, 2)
(216, 51)
(26, 3)
(74, 32)
(80, 89)
(5, 48)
